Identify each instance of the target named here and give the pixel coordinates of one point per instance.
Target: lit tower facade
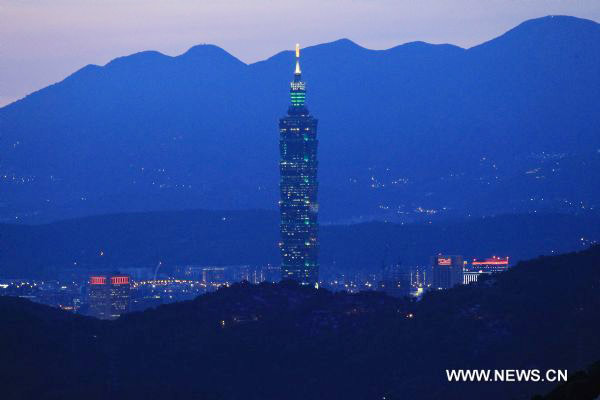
(298, 187)
(109, 296)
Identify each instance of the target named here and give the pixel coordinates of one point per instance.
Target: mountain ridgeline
(412, 132)
(287, 341)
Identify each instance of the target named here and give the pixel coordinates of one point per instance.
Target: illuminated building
(298, 187)
(446, 271)
(120, 287)
(109, 296)
(99, 298)
(420, 276)
(484, 266)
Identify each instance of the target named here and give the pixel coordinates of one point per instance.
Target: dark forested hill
(416, 130)
(581, 385)
(250, 237)
(285, 341)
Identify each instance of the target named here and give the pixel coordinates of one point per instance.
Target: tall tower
(298, 187)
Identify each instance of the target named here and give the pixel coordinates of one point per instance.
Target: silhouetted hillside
(285, 341)
(250, 237)
(504, 127)
(581, 385)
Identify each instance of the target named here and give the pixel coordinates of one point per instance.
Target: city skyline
(46, 43)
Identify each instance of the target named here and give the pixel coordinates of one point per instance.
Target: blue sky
(41, 42)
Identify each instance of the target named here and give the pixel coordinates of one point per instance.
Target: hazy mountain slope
(250, 237)
(581, 385)
(399, 129)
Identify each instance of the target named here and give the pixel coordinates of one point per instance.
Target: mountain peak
(209, 56)
(344, 43)
(551, 29)
(142, 57)
(420, 47)
(556, 20)
(207, 50)
(555, 25)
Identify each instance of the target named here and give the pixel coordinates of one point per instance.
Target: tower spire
(297, 87)
(297, 71)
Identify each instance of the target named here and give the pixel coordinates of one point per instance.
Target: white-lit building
(484, 266)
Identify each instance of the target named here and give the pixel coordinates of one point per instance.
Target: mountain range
(414, 132)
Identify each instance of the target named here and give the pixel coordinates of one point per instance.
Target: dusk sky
(42, 42)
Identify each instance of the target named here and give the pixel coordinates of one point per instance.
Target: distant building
(396, 281)
(298, 188)
(248, 273)
(138, 273)
(120, 292)
(446, 271)
(420, 276)
(99, 297)
(484, 266)
(272, 273)
(109, 296)
(191, 272)
(214, 275)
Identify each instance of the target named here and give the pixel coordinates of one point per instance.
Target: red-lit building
(109, 295)
(484, 266)
(446, 271)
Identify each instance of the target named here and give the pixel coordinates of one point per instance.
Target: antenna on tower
(297, 72)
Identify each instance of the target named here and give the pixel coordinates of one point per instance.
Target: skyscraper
(99, 297)
(109, 296)
(298, 187)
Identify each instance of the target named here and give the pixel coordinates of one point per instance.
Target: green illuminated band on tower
(297, 88)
